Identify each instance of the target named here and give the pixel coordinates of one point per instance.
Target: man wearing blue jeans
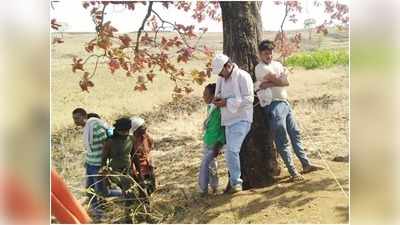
(270, 85)
(234, 94)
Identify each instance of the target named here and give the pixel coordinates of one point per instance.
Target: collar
(262, 62)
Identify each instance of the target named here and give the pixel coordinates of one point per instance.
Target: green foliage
(318, 59)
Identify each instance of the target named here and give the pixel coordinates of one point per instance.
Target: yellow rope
(333, 175)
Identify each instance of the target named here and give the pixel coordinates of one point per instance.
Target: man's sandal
(297, 178)
(311, 168)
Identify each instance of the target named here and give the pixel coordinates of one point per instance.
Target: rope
(333, 175)
(327, 166)
(256, 104)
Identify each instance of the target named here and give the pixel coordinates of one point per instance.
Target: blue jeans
(283, 124)
(208, 170)
(235, 135)
(94, 182)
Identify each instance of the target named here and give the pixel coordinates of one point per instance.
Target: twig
(52, 4)
(198, 40)
(100, 25)
(184, 193)
(93, 55)
(174, 26)
(149, 10)
(95, 67)
(284, 18)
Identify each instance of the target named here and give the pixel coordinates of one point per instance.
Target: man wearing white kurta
(234, 94)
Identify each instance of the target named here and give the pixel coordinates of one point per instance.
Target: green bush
(318, 59)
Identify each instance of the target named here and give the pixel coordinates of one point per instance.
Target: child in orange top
(142, 146)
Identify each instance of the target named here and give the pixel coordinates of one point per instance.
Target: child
(214, 139)
(142, 146)
(118, 150)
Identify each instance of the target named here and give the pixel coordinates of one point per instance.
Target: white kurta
(239, 94)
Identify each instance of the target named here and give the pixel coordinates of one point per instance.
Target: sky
(77, 19)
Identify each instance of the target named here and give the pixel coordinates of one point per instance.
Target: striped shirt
(95, 134)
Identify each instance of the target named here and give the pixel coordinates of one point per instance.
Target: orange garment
(142, 147)
(20, 205)
(64, 205)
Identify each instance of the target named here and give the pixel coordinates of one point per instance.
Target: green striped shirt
(99, 136)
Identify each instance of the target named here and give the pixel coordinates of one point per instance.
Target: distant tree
(309, 25)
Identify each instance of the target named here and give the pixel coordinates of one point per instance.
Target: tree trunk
(242, 31)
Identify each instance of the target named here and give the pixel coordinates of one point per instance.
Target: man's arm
(136, 163)
(281, 81)
(240, 98)
(274, 81)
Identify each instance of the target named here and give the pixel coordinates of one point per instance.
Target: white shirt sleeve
(248, 96)
(241, 98)
(88, 132)
(86, 136)
(218, 87)
(259, 76)
(285, 72)
(278, 69)
(233, 104)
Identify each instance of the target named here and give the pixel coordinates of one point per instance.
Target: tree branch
(149, 10)
(93, 55)
(284, 18)
(100, 25)
(52, 4)
(95, 67)
(174, 26)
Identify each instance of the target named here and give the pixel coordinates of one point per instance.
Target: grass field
(319, 98)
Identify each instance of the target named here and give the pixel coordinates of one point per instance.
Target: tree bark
(242, 29)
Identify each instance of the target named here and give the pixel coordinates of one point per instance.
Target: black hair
(90, 115)
(121, 124)
(79, 111)
(266, 45)
(228, 62)
(211, 88)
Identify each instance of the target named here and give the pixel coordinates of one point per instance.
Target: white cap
(218, 63)
(136, 123)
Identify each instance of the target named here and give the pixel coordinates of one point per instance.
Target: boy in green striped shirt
(94, 136)
(214, 139)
